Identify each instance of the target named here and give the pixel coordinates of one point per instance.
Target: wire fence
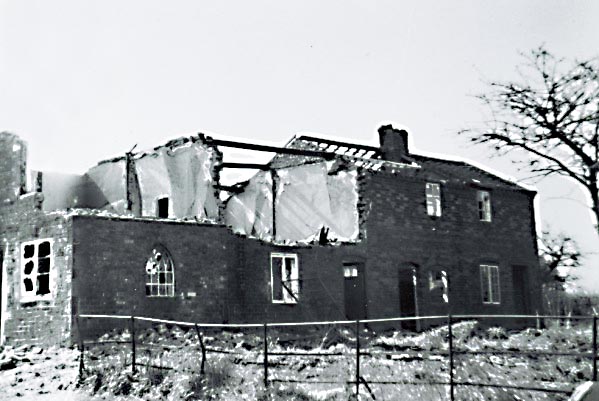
(361, 355)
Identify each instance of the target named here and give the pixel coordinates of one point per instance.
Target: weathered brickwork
(42, 322)
(400, 233)
(100, 263)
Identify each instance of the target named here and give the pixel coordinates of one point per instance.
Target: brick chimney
(394, 143)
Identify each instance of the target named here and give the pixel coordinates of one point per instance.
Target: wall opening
(355, 290)
(163, 208)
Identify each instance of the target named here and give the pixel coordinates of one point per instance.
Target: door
(355, 294)
(521, 290)
(407, 296)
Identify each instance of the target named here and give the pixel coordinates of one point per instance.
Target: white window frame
(153, 270)
(293, 279)
(32, 296)
(483, 199)
(491, 284)
(433, 199)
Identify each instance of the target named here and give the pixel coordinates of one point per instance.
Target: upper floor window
(484, 205)
(433, 199)
(489, 278)
(160, 274)
(37, 263)
(162, 208)
(284, 274)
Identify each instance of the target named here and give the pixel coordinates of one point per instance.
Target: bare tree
(552, 116)
(559, 254)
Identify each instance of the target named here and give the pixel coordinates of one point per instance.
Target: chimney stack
(394, 143)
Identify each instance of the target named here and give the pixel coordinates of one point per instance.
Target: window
(160, 274)
(433, 199)
(484, 205)
(162, 208)
(284, 275)
(350, 270)
(489, 278)
(37, 263)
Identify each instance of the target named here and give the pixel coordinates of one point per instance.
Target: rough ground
(35, 374)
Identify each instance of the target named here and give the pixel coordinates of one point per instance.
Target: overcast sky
(82, 81)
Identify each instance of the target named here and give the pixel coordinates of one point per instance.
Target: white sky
(84, 81)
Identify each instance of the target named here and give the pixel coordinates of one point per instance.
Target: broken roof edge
(507, 179)
(96, 213)
(172, 144)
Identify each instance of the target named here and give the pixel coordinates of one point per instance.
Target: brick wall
(109, 276)
(41, 322)
(399, 233)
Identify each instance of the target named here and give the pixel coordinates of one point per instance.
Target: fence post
(538, 321)
(594, 348)
(202, 347)
(133, 366)
(450, 337)
(81, 348)
(265, 355)
(357, 358)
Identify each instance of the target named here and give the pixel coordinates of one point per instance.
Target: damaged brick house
(325, 231)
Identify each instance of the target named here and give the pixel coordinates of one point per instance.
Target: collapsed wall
(180, 172)
(308, 198)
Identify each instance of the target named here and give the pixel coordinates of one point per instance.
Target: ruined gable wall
(398, 232)
(40, 322)
(21, 220)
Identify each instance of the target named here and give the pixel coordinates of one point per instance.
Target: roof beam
(245, 165)
(264, 148)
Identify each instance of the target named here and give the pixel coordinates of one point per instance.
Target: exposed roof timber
(338, 143)
(245, 165)
(237, 189)
(264, 148)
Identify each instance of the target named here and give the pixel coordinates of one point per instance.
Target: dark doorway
(521, 289)
(355, 294)
(407, 296)
(163, 208)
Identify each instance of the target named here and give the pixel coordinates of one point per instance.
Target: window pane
(28, 267)
(276, 271)
(28, 284)
(43, 284)
(29, 251)
(44, 249)
(43, 266)
(484, 280)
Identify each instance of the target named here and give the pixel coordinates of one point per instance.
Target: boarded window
(489, 276)
(284, 273)
(433, 199)
(484, 205)
(160, 274)
(36, 270)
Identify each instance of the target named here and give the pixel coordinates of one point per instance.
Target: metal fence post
(357, 359)
(265, 355)
(594, 348)
(133, 365)
(450, 337)
(202, 347)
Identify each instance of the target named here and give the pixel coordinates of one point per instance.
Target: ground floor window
(284, 273)
(37, 262)
(160, 274)
(489, 277)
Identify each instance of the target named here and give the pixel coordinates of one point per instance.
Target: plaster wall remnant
(308, 198)
(110, 178)
(184, 176)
